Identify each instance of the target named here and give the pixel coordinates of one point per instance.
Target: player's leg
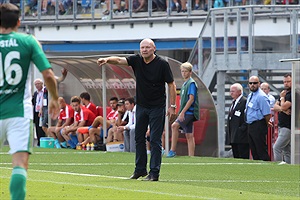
(19, 137)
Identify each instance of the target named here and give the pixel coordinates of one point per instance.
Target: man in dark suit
(37, 102)
(40, 105)
(237, 127)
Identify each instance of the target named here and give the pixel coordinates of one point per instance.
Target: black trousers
(240, 150)
(39, 131)
(155, 117)
(257, 132)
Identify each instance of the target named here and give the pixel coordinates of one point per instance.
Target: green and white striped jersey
(17, 51)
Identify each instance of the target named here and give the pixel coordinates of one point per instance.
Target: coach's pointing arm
(112, 60)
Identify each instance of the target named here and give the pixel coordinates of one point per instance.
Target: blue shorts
(187, 124)
(101, 131)
(74, 138)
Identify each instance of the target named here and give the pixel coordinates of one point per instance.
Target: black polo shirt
(150, 80)
(284, 120)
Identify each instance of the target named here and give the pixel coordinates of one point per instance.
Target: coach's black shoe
(137, 175)
(151, 178)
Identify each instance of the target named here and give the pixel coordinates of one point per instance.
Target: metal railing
(94, 9)
(217, 37)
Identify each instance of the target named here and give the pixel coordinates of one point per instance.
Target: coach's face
(147, 48)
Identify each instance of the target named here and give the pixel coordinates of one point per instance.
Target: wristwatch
(281, 98)
(174, 106)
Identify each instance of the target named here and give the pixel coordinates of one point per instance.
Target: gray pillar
(104, 103)
(221, 111)
(253, 73)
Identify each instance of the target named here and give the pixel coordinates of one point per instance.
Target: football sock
(72, 145)
(64, 144)
(17, 185)
(56, 143)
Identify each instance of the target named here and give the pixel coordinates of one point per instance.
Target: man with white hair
(236, 125)
(37, 101)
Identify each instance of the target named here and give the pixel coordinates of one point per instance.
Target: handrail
(238, 14)
(168, 13)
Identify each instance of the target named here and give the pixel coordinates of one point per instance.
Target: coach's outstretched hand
(101, 61)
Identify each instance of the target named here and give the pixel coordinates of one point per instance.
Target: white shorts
(18, 132)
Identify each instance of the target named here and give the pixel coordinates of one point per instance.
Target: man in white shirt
(37, 101)
(266, 88)
(129, 128)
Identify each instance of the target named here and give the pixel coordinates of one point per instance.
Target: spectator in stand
(113, 134)
(181, 6)
(141, 6)
(65, 8)
(236, 125)
(30, 7)
(82, 117)
(257, 115)
(197, 5)
(282, 146)
(86, 101)
(119, 9)
(189, 111)
(45, 4)
(161, 5)
(129, 128)
(65, 118)
(95, 131)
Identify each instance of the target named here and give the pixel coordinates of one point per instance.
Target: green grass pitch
(70, 174)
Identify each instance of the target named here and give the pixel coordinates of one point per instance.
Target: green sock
(17, 185)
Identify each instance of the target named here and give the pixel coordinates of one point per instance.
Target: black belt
(263, 119)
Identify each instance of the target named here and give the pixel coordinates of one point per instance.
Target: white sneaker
(162, 151)
(282, 163)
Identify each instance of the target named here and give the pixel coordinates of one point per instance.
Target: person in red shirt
(82, 117)
(94, 130)
(65, 118)
(86, 101)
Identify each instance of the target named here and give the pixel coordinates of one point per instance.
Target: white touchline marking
(125, 178)
(51, 153)
(112, 187)
(125, 164)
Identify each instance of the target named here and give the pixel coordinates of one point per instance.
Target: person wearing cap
(113, 134)
(129, 128)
